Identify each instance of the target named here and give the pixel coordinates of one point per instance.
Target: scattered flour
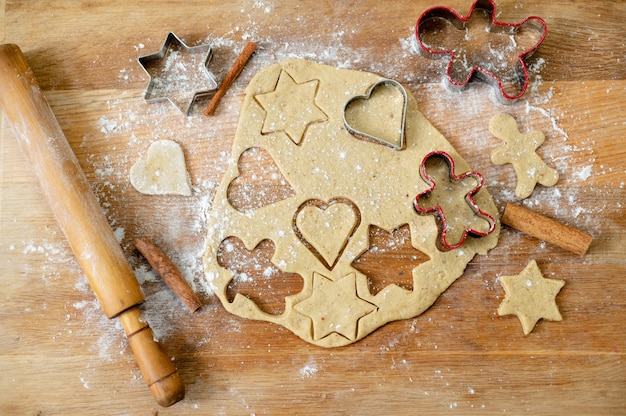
(119, 234)
(309, 369)
(584, 173)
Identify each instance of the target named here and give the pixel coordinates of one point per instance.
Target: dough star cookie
(531, 297)
(336, 190)
(334, 306)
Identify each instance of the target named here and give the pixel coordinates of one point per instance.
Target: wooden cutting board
(60, 355)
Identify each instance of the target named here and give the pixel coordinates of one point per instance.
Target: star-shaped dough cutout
(334, 306)
(291, 107)
(531, 297)
(178, 73)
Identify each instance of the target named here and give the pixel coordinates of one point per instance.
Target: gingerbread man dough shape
(519, 150)
(341, 188)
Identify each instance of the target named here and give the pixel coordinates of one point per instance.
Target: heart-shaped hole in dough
(260, 182)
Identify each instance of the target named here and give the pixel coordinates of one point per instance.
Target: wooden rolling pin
(82, 220)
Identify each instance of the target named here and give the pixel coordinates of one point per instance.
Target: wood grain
(60, 355)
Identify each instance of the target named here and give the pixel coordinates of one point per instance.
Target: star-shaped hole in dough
(291, 107)
(386, 247)
(178, 73)
(531, 297)
(334, 306)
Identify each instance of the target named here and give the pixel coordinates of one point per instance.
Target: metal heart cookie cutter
(480, 46)
(455, 181)
(178, 73)
(377, 107)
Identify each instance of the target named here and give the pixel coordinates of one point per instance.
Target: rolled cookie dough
(341, 186)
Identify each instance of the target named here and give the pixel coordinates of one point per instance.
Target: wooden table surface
(60, 355)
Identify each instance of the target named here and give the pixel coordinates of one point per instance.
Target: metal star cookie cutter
(531, 31)
(468, 199)
(172, 74)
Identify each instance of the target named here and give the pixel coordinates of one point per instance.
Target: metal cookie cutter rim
(468, 198)
(459, 21)
(170, 40)
(367, 95)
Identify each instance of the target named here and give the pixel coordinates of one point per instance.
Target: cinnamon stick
(168, 272)
(230, 77)
(546, 229)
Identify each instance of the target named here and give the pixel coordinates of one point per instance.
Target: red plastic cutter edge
(488, 5)
(468, 198)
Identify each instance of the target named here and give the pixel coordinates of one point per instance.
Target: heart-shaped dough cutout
(162, 172)
(378, 115)
(326, 228)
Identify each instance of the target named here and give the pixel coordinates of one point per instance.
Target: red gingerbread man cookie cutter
(468, 196)
(441, 32)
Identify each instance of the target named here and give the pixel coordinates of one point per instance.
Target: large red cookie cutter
(468, 199)
(434, 21)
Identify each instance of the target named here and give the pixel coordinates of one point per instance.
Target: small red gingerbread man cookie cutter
(468, 198)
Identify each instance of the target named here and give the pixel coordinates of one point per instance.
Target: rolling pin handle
(156, 367)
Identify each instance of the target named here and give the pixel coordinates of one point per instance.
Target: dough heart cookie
(344, 189)
(162, 172)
